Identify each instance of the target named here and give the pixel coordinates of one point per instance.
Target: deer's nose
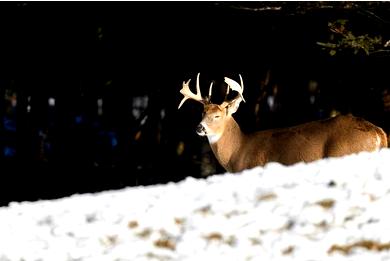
(200, 129)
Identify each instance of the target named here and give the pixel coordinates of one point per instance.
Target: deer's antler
(188, 94)
(232, 84)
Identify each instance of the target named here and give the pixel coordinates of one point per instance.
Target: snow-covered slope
(326, 210)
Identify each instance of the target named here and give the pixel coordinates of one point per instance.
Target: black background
(79, 52)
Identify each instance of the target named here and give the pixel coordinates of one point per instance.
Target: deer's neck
(225, 145)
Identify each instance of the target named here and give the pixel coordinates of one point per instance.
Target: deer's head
(215, 116)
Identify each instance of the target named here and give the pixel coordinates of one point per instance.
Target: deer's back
(333, 137)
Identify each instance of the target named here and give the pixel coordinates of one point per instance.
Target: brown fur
(333, 137)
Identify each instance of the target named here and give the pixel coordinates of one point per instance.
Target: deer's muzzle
(201, 130)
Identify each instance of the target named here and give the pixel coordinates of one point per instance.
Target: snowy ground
(326, 210)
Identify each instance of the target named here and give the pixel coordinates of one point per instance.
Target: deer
(236, 151)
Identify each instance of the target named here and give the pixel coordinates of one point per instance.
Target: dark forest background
(89, 90)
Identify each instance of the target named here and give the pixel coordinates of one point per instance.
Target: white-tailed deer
(236, 151)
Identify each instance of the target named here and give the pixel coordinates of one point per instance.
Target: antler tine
(183, 91)
(235, 86)
(242, 86)
(188, 94)
(197, 86)
(210, 90)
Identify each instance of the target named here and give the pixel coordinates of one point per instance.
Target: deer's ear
(232, 106)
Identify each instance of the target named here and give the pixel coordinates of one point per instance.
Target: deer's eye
(217, 117)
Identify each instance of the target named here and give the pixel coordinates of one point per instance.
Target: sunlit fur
(333, 137)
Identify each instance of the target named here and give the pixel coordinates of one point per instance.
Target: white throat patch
(213, 138)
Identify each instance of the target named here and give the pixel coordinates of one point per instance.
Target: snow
(332, 209)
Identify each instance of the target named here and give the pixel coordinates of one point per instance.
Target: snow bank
(326, 210)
